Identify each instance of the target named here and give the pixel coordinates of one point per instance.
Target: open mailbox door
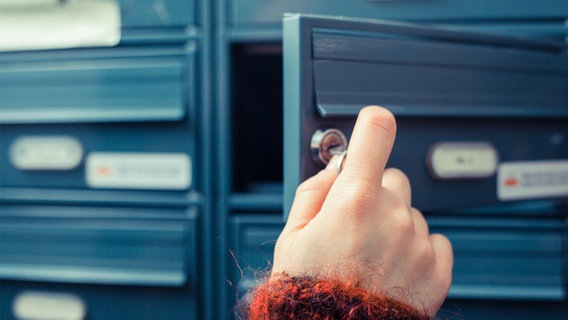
(481, 119)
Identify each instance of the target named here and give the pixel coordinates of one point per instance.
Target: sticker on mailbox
(122, 170)
(532, 179)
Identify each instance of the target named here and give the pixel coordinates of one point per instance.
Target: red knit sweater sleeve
(304, 297)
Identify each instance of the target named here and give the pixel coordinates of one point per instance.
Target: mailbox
(481, 119)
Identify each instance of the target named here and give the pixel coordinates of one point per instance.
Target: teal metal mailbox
(473, 110)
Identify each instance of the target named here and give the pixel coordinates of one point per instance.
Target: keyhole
(327, 143)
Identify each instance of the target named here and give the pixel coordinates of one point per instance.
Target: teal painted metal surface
(204, 78)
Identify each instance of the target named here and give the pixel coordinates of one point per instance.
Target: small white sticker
(462, 160)
(35, 305)
(532, 179)
(46, 153)
(54, 24)
(116, 170)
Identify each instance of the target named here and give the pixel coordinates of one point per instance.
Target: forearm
(288, 297)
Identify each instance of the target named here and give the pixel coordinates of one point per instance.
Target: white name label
(46, 153)
(532, 179)
(169, 171)
(463, 160)
(32, 305)
(54, 24)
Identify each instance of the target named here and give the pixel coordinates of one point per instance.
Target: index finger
(370, 145)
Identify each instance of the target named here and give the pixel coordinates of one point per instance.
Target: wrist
(306, 297)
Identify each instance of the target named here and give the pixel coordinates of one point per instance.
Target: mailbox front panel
(102, 245)
(482, 135)
(471, 109)
(65, 115)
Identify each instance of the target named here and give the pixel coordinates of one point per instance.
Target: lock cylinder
(326, 143)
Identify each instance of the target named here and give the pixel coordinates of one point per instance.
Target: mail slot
(469, 108)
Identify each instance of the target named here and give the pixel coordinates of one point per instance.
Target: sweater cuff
(305, 297)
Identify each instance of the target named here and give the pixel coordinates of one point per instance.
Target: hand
(359, 226)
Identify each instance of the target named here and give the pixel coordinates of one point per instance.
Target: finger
(370, 146)
(444, 258)
(421, 229)
(310, 196)
(397, 181)
(442, 272)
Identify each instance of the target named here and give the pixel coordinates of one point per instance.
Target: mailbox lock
(327, 143)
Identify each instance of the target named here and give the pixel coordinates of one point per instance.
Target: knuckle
(397, 174)
(425, 252)
(442, 243)
(304, 187)
(308, 186)
(359, 195)
(398, 182)
(403, 223)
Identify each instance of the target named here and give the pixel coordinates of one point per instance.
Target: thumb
(310, 196)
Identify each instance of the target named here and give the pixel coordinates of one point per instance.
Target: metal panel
(250, 12)
(137, 246)
(119, 84)
(501, 257)
(146, 96)
(442, 85)
(130, 99)
(440, 79)
(109, 302)
(145, 141)
(150, 13)
(516, 258)
(253, 238)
